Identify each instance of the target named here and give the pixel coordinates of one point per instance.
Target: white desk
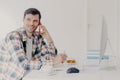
(89, 73)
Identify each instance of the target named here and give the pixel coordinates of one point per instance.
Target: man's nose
(31, 23)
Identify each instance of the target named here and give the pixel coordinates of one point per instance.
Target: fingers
(57, 59)
(64, 57)
(60, 58)
(42, 29)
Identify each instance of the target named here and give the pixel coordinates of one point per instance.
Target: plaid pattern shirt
(13, 60)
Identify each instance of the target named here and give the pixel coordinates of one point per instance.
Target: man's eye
(35, 20)
(28, 19)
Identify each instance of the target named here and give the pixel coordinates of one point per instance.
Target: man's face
(31, 22)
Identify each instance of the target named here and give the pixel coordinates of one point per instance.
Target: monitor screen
(104, 38)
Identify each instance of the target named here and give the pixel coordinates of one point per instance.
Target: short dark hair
(32, 11)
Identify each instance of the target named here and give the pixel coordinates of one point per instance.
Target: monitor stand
(108, 61)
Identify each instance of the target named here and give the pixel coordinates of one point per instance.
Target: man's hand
(60, 58)
(45, 34)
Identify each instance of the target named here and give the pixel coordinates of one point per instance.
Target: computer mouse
(72, 70)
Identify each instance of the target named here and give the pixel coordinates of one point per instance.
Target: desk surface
(89, 73)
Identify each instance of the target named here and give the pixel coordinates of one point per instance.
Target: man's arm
(47, 41)
(60, 58)
(47, 51)
(18, 62)
(42, 30)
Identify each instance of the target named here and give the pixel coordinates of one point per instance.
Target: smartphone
(39, 29)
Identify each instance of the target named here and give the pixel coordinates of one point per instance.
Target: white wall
(109, 9)
(118, 27)
(65, 20)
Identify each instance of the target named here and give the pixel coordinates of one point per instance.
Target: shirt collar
(24, 34)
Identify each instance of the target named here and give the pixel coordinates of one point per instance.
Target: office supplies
(71, 61)
(72, 70)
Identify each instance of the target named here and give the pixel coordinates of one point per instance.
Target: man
(27, 48)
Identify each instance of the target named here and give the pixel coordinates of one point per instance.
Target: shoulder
(13, 35)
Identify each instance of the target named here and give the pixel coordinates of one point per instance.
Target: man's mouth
(31, 27)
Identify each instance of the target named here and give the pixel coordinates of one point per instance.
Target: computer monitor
(104, 39)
